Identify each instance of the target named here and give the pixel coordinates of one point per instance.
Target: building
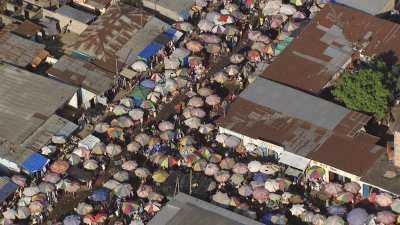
(19, 51)
(175, 10)
(28, 30)
(302, 130)
(94, 5)
(27, 120)
(101, 41)
(91, 80)
(372, 7)
(24, 9)
(185, 209)
(326, 44)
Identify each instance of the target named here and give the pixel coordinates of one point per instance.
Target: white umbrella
(204, 92)
(254, 166)
(10, 214)
(23, 212)
(213, 100)
(232, 70)
(142, 172)
(198, 112)
(84, 208)
(195, 102)
(133, 147)
(272, 185)
(123, 190)
(206, 128)
(46, 187)
(129, 165)
(193, 122)
(101, 127)
(120, 110)
(90, 164)
(205, 25)
(221, 138)
(154, 96)
(58, 139)
(139, 66)
(166, 125)
(113, 149)
(36, 207)
(171, 63)
(31, 191)
(211, 169)
(272, 8)
(121, 176)
(171, 85)
(232, 142)
(111, 184)
(74, 159)
(297, 210)
(136, 114)
(142, 139)
(287, 9)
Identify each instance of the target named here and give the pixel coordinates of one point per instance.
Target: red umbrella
(253, 55)
(260, 194)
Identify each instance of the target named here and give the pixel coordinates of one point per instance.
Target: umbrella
(357, 216)
(125, 122)
(237, 179)
(195, 61)
(127, 102)
(36, 207)
(148, 84)
(81, 152)
(236, 58)
(72, 220)
(84, 208)
(120, 110)
(113, 149)
(211, 169)
(218, 29)
(167, 161)
(184, 26)
(196, 102)
(72, 187)
(307, 216)
(334, 220)
(204, 92)
(260, 194)
(221, 138)
(205, 25)
(123, 190)
(121, 176)
(221, 198)
(215, 158)
(272, 185)
(59, 166)
(199, 165)
(386, 217)
(245, 190)
(253, 55)
(10, 214)
(297, 209)
(395, 206)
(139, 66)
(227, 163)
(99, 195)
(315, 172)
(160, 176)
(272, 8)
(254, 35)
(115, 133)
(171, 63)
(136, 114)
(223, 19)
(142, 172)
(232, 70)
(193, 122)
(345, 197)
(337, 210)
(197, 112)
(213, 100)
(206, 128)
(210, 38)
(31, 191)
(384, 200)
(287, 9)
(240, 168)
(62, 184)
(167, 135)
(90, 164)
(101, 127)
(111, 184)
(143, 191)
(171, 85)
(352, 187)
(46, 187)
(333, 189)
(232, 142)
(187, 140)
(254, 166)
(154, 97)
(129, 165)
(99, 148)
(19, 180)
(23, 212)
(152, 207)
(194, 46)
(166, 125)
(129, 207)
(290, 27)
(318, 219)
(213, 48)
(58, 139)
(269, 169)
(220, 77)
(133, 146)
(154, 196)
(222, 176)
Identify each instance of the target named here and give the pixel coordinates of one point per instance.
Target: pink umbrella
(240, 168)
(253, 55)
(166, 125)
(210, 38)
(196, 102)
(227, 163)
(384, 200)
(205, 25)
(19, 180)
(52, 178)
(352, 187)
(198, 112)
(254, 35)
(333, 189)
(260, 194)
(144, 190)
(73, 187)
(386, 217)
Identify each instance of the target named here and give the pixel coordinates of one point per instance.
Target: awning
(149, 51)
(293, 172)
(7, 187)
(67, 130)
(34, 163)
(89, 142)
(294, 160)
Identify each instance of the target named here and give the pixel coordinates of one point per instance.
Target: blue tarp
(170, 32)
(149, 51)
(7, 190)
(34, 163)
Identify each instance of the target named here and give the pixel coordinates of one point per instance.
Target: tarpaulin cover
(173, 34)
(7, 189)
(149, 51)
(35, 162)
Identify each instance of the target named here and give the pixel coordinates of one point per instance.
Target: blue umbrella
(72, 220)
(260, 177)
(357, 216)
(100, 195)
(337, 210)
(266, 219)
(148, 84)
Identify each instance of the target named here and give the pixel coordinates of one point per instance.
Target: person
(224, 106)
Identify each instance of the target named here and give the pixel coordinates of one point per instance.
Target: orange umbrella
(59, 166)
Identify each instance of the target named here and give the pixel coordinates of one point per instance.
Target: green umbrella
(140, 93)
(160, 176)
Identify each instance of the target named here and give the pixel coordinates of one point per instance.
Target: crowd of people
(139, 158)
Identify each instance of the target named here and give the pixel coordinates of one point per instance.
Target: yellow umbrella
(160, 176)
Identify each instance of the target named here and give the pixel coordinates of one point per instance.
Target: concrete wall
(75, 27)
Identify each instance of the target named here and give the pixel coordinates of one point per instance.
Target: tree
(368, 90)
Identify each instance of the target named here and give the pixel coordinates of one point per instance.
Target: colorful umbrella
(222, 176)
(337, 210)
(193, 122)
(205, 152)
(19, 180)
(129, 207)
(36, 207)
(236, 58)
(187, 140)
(384, 200)
(245, 190)
(205, 25)
(213, 100)
(194, 46)
(227, 163)
(120, 110)
(240, 168)
(386, 217)
(215, 158)
(253, 55)
(144, 190)
(315, 172)
(260, 194)
(357, 216)
(160, 176)
(84, 208)
(152, 207)
(115, 133)
(100, 195)
(352, 187)
(333, 189)
(184, 26)
(59, 166)
(345, 197)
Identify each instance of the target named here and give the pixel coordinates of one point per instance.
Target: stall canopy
(7, 187)
(149, 51)
(294, 160)
(89, 142)
(34, 163)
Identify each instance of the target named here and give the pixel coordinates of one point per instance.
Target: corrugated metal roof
(75, 14)
(372, 7)
(295, 103)
(27, 100)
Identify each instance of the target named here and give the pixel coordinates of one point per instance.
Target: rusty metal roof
(27, 29)
(326, 43)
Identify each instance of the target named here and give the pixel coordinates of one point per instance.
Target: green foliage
(368, 90)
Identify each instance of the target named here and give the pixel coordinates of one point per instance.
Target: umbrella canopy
(204, 91)
(152, 207)
(199, 165)
(269, 169)
(90, 164)
(213, 100)
(154, 97)
(318, 219)
(245, 190)
(333, 189)
(129, 165)
(287, 9)
(193, 122)
(123, 190)
(142, 172)
(260, 194)
(155, 196)
(253, 55)
(237, 179)
(254, 166)
(46, 187)
(129, 207)
(386, 217)
(195, 102)
(240, 168)
(205, 25)
(194, 46)
(101, 127)
(10, 214)
(31, 191)
(23, 212)
(384, 200)
(272, 185)
(352, 187)
(72, 187)
(213, 48)
(160, 176)
(227, 163)
(337, 210)
(113, 149)
(99, 148)
(136, 114)
(210, 38)
(111, 184)
(395, 206)
(272, 8)
(19, 180)
(100, 195)
(220, 77)
(345, 197)
(297, 209)
(167, 135)
(142, 139)
(148, 84)
(139, 66)
(144, 191)
(120, 110)
(187, 140)
(59, 166)
(36, 207)
(165, 125)
(125, 122)
(197, 112)
(206, 128)
(221, 198)
(115, 133)
(357, 216)
(334, 220)
(232, 142)
(84, 208)
(72, 220)
(133, 147)
(221, 138)
(236, 58)
(232, 70)
(127, 102)
(218, 29)
(215, 158)
(121, 176)
(184, 26)
(211, 169)
(222, 176)
(315, 172)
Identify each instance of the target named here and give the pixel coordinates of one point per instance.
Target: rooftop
(83, 74)
(185, 209)
(325, 46)
(76, 14)
(27, 101)
(292, 119)
(27, 29)
(109, 33)
(19, 51)
(98, 4)
(372, 7)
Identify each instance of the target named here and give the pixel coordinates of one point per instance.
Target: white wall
(87, 96)
(10, 165)
(74, 101)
